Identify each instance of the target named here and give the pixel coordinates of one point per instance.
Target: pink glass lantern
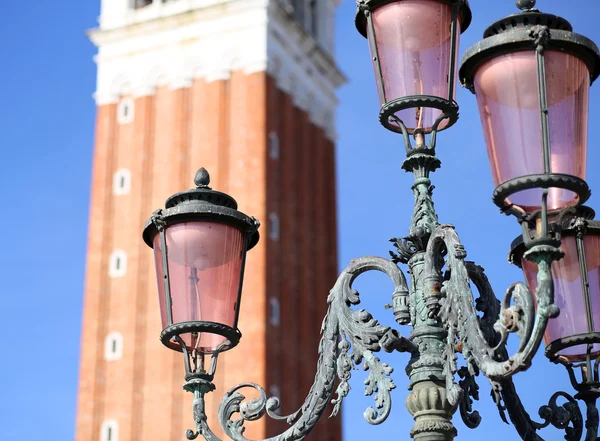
(414, 47)
(531, 75)
(507, 94)
(576, 280)
(200, 242)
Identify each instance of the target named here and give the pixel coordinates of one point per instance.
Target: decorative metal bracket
(441, 308)
(349, 338)
(459, 314)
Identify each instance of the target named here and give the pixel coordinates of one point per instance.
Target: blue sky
(47, 122)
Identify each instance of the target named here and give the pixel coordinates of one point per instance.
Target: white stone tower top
(144, 44)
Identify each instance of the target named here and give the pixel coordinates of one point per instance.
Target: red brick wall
(89, 398)
(302, 265)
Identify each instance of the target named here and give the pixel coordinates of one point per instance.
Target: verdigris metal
(349, 338)
(442, 310)
(446, 317)
(440, 307)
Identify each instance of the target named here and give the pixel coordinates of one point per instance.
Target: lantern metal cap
(562, 223)
(516, 33)
(366, 6)
(202, 193)
(525, 20)
(203, 203)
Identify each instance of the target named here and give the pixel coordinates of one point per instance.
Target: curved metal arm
(349, 337)
(458, 311)
(489, 307)
(566, 417)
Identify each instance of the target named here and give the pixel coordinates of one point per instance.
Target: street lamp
(531, 75)
(200, 242)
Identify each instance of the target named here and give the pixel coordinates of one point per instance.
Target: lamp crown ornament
(202, 194)
(530, 63)
(202, 178)
(526, 5)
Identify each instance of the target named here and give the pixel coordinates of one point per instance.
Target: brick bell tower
(245, 88)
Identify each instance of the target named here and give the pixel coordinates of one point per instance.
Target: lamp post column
(428, 402)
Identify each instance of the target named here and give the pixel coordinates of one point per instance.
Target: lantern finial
(202, 178)
(525, 5)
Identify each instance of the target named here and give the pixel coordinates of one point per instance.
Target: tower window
(126, 111)
(273, 145)
(273, 226)
(314, 18)
(275, 393)
(139, 4)
(109, 431)
(117, 264)
(299, 11)
(306, 13)
(274, 312)
(113, 346)
(122, 182)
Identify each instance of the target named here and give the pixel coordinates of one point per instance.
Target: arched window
(113, 346)
(109, 431)
(274, 312)
(117, 266)
(122, 182)
(126, 111)
(273, 226)
(273, 145)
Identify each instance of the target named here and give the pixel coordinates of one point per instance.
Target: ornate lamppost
(531, 75)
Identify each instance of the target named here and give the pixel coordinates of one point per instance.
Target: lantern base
(543, 181)
(553, 348)
(230, 334)
(389, 120)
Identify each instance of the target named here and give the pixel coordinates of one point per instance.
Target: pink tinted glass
(507, 94)
(568, 294)
(413, 42)
(205, 264)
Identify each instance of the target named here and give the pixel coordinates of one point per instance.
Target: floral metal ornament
(441, 308)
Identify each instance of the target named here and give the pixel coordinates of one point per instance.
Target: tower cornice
(208, 39)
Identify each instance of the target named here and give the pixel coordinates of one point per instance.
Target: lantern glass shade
(205, 264)
(413, 41)
(570, 297)
(509, 105)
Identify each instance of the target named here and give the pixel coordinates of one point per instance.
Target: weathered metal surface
(446, 317)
